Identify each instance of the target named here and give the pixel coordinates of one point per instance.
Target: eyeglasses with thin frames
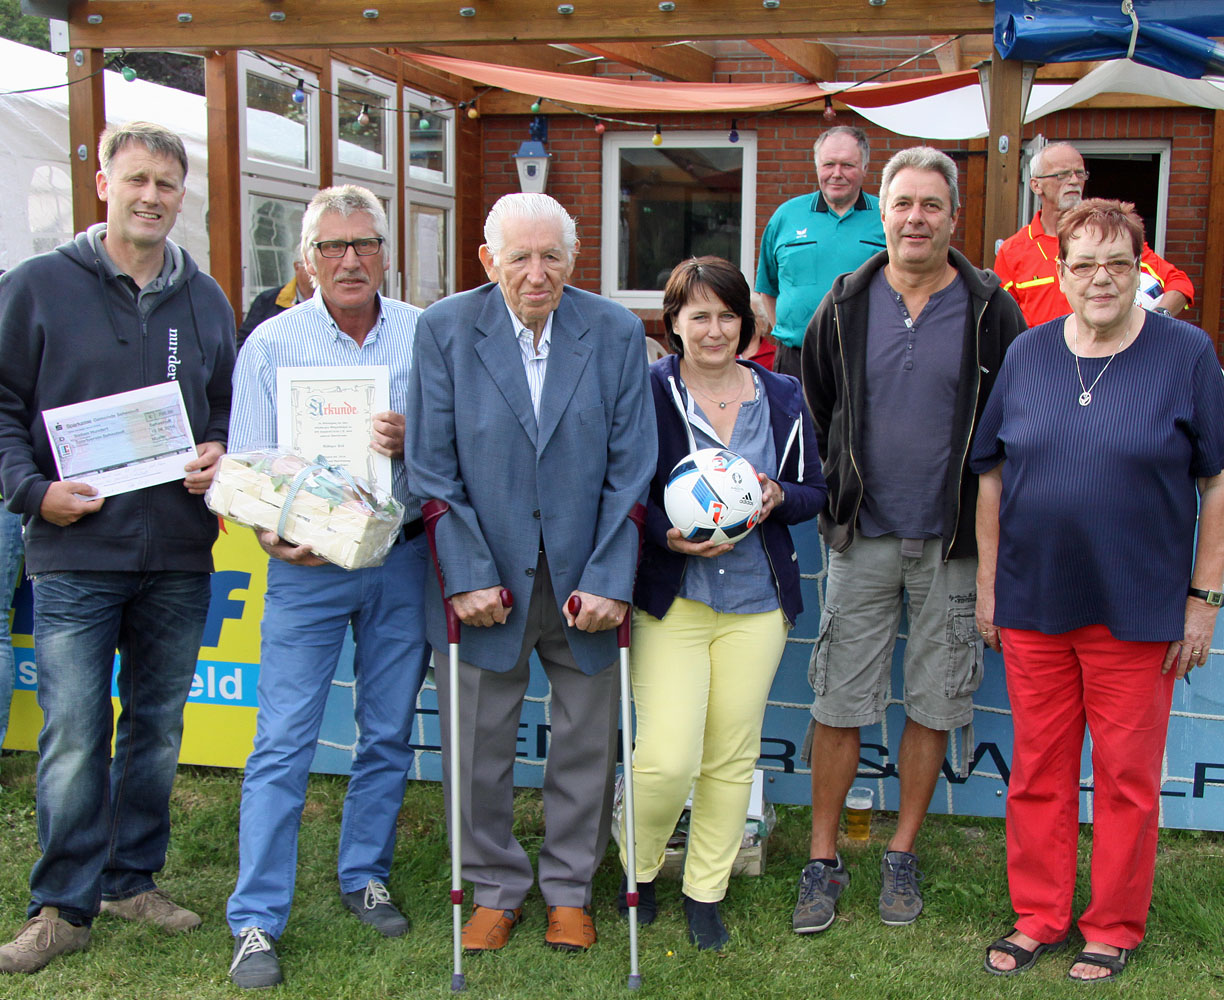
(366, 247)
(1086, 270)
(1063, 175)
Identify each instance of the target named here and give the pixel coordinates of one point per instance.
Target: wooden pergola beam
(224, 184)
(1002, 154)
(86, 120)
(951, 56)
(681, 62)
(1213, 256)
(248, 24)
(810, 60)
(544, 57)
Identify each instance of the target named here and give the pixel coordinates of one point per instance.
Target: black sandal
(1023, 956)
(1114, 963)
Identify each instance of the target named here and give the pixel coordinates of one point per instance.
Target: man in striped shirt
(310, 604)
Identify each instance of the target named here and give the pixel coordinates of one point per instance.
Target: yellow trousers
(700, 683)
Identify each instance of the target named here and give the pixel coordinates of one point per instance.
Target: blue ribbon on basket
(321, 464)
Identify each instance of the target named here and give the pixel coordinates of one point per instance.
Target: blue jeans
(306, 614)
(11, 553)
(103, 824)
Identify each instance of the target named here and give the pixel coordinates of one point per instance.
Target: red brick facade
(784, 164)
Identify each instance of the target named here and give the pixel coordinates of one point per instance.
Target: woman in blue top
(1103, 437)
(711, 618)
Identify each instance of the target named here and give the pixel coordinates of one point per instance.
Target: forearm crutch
(638, 517)
(431, 511)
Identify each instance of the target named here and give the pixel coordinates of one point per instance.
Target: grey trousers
(577, 778)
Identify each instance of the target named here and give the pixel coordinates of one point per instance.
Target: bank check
(123, 442)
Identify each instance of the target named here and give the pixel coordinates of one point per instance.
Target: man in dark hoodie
(897, 364)
(121, 307)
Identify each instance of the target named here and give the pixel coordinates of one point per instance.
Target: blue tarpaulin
(1173, 35)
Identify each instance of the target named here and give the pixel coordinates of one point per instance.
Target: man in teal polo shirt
(813, 238)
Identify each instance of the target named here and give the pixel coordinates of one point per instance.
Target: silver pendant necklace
(1085, 396)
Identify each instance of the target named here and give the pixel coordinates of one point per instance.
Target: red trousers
(1056, 683)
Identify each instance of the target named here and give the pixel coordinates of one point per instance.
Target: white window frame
(430, 200)
(415, 100)
(248, 63)
(1163, 148)
(273, 189)
(365, 80)
(613, 143)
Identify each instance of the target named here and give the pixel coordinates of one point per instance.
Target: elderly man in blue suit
(529, 413)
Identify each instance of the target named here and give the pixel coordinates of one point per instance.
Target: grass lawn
(325, 953)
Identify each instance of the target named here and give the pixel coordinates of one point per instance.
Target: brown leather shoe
(570, 928)
(488, 929)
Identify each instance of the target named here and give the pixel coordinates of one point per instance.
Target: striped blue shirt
(535, 356)
(1099, 503)
(307, 336)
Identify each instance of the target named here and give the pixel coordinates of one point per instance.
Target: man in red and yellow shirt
(1027, 260)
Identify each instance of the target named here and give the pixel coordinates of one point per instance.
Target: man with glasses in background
(310, 604)
(1027, 260)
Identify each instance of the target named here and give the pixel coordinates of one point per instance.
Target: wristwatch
(1162, 310)
(1213, 597)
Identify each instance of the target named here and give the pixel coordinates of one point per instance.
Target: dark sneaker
(372, 905)
(900, 898)
(153, 907)
(254, 966)
(819, 887)
(648, 905)
(705, 927)
(41, 939)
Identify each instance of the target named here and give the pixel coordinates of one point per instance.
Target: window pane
(276, 126)
(427, 238)
(677, 203)
(276, 229)
(427, 145)
(362, 145)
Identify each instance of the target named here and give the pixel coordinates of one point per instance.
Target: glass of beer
(858, 813)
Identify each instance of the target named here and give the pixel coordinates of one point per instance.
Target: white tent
(36, 205)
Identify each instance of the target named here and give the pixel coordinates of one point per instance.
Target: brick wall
(784, 166)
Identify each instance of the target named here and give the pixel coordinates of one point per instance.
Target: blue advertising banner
(220, 717)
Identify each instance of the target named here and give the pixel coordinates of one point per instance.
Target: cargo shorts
(851, 664)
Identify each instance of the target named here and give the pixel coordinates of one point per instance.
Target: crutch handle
(638, 516)
(431, 513)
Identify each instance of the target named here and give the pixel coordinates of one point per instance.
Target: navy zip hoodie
(662, 570)
(69, 332)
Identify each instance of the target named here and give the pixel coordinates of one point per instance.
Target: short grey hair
(534, 207)
(921, 158)
(1038, 164)
(345, 200)
(157, 139)
(855, 133)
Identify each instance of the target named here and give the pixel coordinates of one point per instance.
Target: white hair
(1038, 165)
(345, 200)
(534, 207)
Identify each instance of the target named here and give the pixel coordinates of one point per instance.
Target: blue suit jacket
(473, 441)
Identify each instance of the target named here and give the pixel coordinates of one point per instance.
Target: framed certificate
(330, 412)
(123, 442)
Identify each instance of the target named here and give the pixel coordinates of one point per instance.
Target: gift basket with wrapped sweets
(342, 518)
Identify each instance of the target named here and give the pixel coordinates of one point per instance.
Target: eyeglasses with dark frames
(1063, 175)
(366, 247)
(1085, 270)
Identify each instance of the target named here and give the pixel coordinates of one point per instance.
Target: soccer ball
(1149, 291)
(713, 495)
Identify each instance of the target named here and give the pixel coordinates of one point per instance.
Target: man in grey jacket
(897, 364)
(121, 307)
(529, 413)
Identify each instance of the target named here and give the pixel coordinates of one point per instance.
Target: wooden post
(973, 201)
(86, 120)
(327, 149)
(1213, 255)
(224, 185)
(1002, 152)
